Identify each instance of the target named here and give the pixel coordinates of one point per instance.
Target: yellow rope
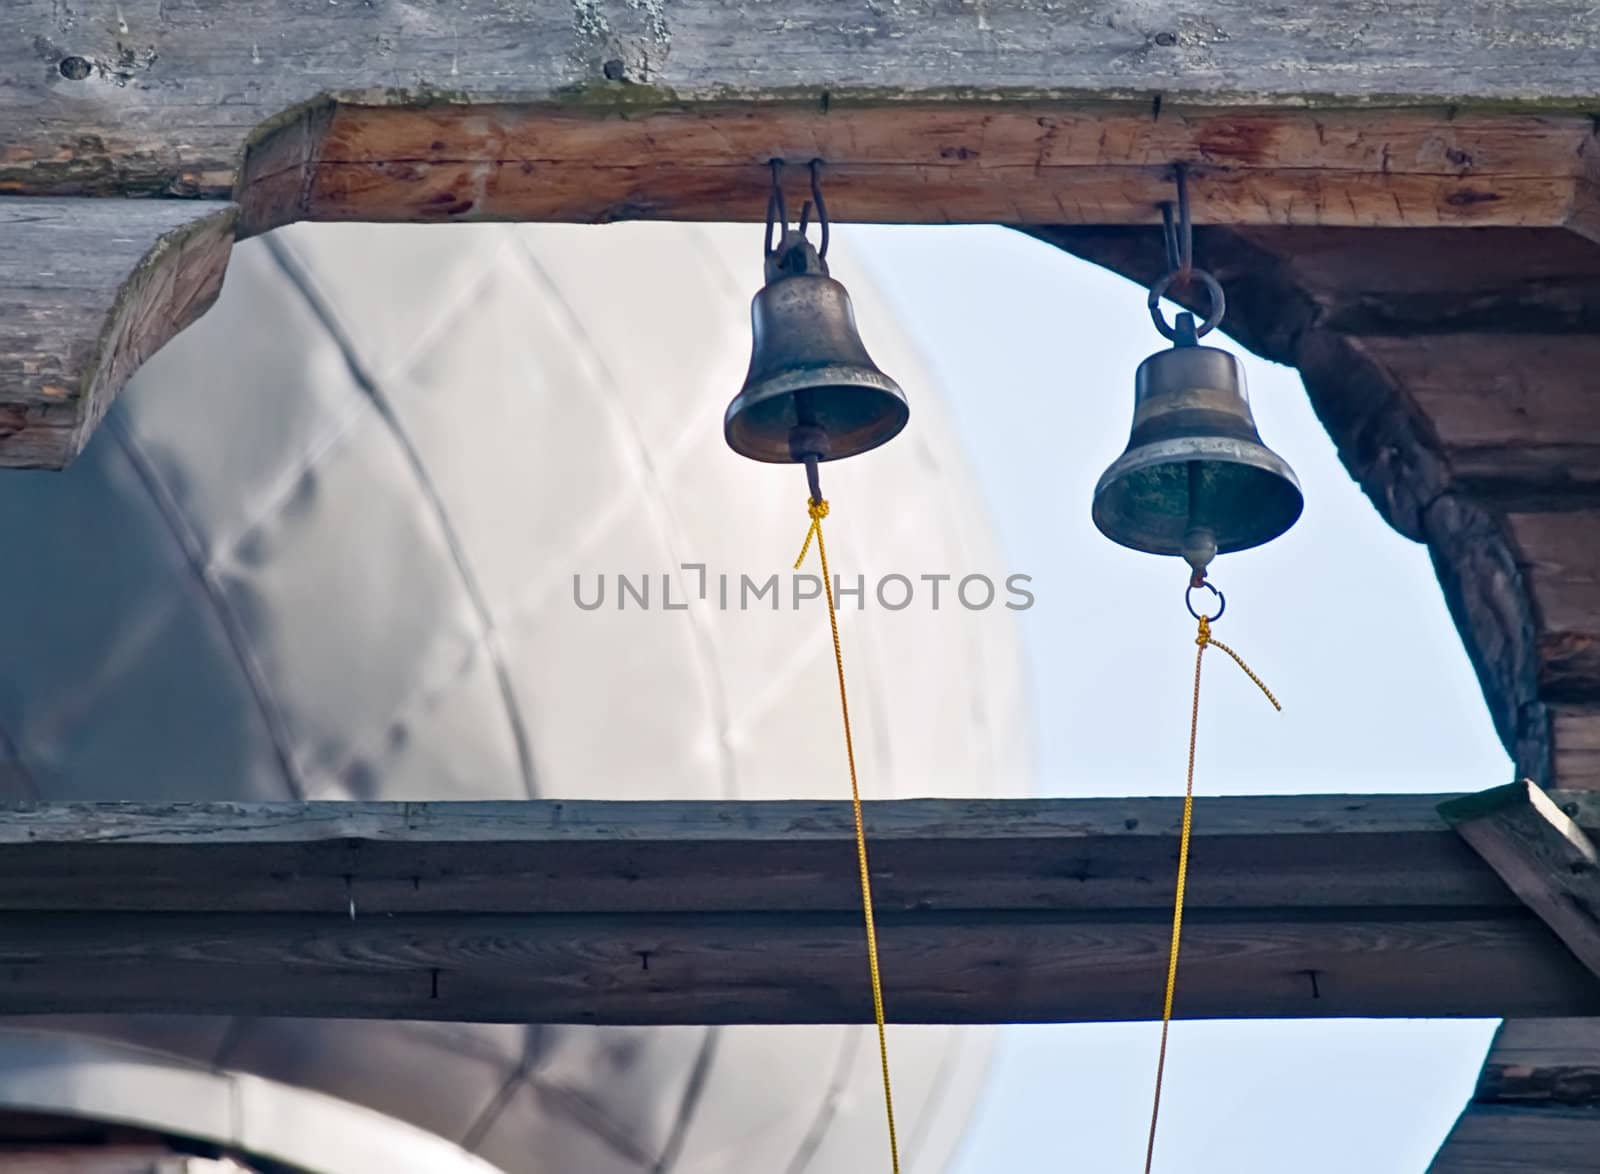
(1204, 640)
(819, 510)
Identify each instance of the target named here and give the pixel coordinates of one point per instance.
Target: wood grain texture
(723, 912)
(159, 97)
(1500, 1139)
(1543, 1062)
(1542, 854)
(597, 857)
(1536, 1108)
(1014, 162)
(88, 290)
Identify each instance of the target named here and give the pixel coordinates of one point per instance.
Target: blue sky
(1343, 618)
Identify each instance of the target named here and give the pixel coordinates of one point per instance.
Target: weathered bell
(812, 389)
(1195, 479)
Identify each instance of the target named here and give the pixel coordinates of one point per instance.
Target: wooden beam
(1542, 855)
(1537, 1105)
(711, 912)
(157, 98)
(1502, 1139)
(915, 161)
(88, 290)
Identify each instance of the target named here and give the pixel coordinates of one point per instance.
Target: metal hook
(777, 211)
(1185, 221)
(1169, 237)
(1178, 237)
(822, 208)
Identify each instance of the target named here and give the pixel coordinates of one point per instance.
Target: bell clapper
(813, 479)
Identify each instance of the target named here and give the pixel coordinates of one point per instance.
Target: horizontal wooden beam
(1010, 161)
(158, 98)
(710, 912)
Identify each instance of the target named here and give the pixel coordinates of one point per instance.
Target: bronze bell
(812, 390)
(1195, 479)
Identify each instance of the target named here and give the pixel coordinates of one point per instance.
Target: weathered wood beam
(1010, 161)
(1543, 856)
(88, 290)
(747, 912)
(154, 97)
(1537, 1105)
(1504, 1139)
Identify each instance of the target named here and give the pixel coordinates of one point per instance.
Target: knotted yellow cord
(819, 510)
(1204, 640)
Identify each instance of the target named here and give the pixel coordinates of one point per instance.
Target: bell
(1195, 479)
(812, 392)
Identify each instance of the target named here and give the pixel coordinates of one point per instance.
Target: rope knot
(1204, 637)
(817, 509)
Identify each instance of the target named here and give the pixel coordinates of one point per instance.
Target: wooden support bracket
(1542, 854)
(89, 289)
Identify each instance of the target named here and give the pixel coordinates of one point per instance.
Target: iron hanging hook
(777, 211)
(1180, 177)
(822, 207)
(1178, 237)
(816, 201)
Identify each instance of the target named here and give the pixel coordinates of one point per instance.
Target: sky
(1035, 351)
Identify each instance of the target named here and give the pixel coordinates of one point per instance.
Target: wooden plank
(1537, 1105)
(1499, 1139)
(160, 97)
(88, 290)
(1542, 855)
(1538, 1062)
(1513, 407)
(1342, 851)
(980, 966)
(916, 162)
(723, 912)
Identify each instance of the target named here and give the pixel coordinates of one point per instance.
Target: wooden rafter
(717, 912)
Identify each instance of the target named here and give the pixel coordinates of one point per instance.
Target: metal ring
(1222, 601)
(1219, 303)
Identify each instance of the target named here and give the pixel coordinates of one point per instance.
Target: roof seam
(302, 280)
(188, 542)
